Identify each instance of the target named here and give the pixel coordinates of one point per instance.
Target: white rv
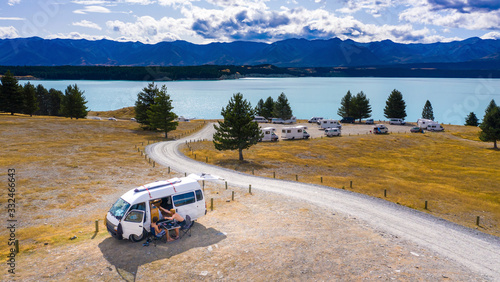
(269, 134)
(329, 123)
(131, 215)
(296, 132)
(434, 127)
(423, 122)
(332, 132)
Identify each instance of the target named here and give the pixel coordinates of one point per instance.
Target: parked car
(347, 120)
(329, 132)
(315, 119)
(380, 129)
(260, 119)
(277, 120)
(369, 121)
(416, 129)
(133, 119)
(398, 121)
(112, 118)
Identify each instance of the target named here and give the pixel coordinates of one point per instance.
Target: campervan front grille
(111, 227)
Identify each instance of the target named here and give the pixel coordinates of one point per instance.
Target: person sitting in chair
(178, 219)
(159, 233)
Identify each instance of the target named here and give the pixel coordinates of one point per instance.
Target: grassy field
(69, 171)
(457, 175)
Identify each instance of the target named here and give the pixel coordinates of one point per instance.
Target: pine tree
(395, 106)
(56, 97)
(360, 106)
(30, 100)
(427, 111)
(259, 108)
(12, 94)
(43, 97)
(471, 119)
(490, 106)
(238, 131)
(73, 103)
(491, 126)
(268, 108)
(160, 113)
(345, 106)
(145, 99)
(282, 108)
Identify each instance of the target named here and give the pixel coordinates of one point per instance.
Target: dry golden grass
(66, 169)
(458, 177)
(123, 113)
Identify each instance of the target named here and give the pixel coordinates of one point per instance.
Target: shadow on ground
(127, 256)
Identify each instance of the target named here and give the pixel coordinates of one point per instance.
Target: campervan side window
(134, 216)
(199, 195)
(140, 207)
(184, 199)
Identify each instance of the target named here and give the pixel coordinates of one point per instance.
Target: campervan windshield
(119, 209)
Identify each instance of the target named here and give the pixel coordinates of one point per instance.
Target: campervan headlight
(116, 228)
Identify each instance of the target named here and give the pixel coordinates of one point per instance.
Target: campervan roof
(158, 189)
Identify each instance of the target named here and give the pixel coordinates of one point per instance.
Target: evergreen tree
(427, 111)
(160, 113)
(145, 99)
(43, 98)
(30, 99)
(12, 94)
(56, 97)
(259, 108)
(238, 131)
(282, 108)
(73, 103)
(471, 119)
(491, 126)
(395, 106)
(490, 106)
(360, 106)
(268, 108)
(345, 106)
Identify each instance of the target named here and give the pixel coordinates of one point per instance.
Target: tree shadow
(240, 165)
(127, 256)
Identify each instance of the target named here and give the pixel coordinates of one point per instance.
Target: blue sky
(205, 21)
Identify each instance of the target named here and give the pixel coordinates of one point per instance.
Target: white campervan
(423, 122)
(269, 134)
(330, 123)
(296, 132)
(434, 126)
(131, 215)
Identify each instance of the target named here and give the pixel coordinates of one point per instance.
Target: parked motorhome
(131, 215)
(398, 121)
(269, 134)
(296, 132)
(434, 127)
(183, 119)
(329, 132)
(423, 122)
(330, 123)
(315, 119)
(260, 119)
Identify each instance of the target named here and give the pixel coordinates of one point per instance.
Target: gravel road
(473, 249)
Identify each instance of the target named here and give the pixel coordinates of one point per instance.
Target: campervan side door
(133, 223)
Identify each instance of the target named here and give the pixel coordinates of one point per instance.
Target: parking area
(347, 129)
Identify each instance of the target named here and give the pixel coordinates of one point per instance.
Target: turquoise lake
(452, 98)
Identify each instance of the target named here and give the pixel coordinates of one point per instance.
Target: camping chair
(186, 229)
(153, 237)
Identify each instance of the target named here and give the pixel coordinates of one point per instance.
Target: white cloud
(92, 9)
(89, 24)
(11, 19)
(148, 30)
(76, 35)
(13, 2)
(8, 32)
(491, 35)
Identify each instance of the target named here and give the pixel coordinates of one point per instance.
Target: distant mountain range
(472, 53)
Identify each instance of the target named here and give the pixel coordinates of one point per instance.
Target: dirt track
(478, 252)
